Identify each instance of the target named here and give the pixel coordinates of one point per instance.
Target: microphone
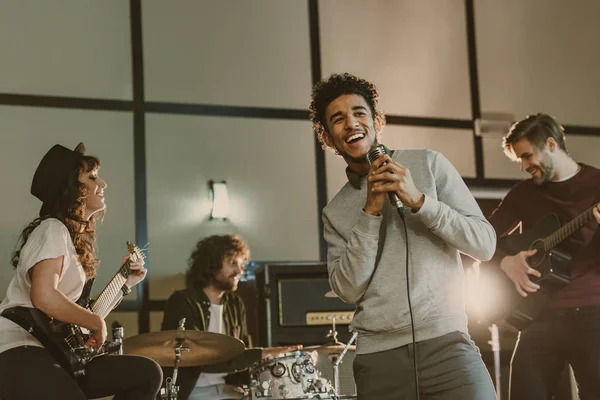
(376, 151)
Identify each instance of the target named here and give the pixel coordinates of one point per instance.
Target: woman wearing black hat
(54, 259)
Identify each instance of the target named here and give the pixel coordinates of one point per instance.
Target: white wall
(415, 51)
(78, 48)
(252, 53)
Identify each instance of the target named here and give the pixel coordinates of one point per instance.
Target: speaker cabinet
(292, 307)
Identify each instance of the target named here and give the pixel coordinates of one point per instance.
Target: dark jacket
(193, 305)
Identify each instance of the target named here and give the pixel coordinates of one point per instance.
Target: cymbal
(205, 347)
(331, 295)
(336, 348)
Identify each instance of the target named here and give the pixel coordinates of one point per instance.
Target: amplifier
(293, 308)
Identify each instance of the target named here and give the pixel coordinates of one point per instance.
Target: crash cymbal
(205, 347)
(335, 348)
(331, 295)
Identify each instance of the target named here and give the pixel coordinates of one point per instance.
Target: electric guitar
(68, 342)
(550, 260)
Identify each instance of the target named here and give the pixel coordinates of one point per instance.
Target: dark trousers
(557, 337)
(449, 367)
(31, 373)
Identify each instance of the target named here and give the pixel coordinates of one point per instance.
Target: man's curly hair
(208, 256)
(328, 90)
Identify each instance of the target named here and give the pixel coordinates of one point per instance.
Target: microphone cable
(412, 321)
(375, 151)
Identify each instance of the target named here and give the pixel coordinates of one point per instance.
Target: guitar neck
(103, 304)
(568, 229)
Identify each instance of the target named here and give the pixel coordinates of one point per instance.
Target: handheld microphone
(376, 151)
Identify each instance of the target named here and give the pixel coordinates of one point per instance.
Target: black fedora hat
(52, 174)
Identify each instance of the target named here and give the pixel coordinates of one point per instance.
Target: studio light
(220, 200)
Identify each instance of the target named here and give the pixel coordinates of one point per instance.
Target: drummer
(209, 304)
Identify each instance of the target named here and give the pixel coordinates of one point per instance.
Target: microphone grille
(375, 152)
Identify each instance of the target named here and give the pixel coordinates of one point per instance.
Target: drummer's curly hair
(208, 256)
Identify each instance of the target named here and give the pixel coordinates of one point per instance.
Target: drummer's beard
(228, 284)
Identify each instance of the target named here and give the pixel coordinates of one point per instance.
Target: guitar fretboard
(568, 229)
(103, 304)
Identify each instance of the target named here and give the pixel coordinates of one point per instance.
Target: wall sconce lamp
(220, 200)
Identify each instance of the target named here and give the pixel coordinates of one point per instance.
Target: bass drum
(288, 376)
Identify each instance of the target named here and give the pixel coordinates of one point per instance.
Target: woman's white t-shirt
(51, 239)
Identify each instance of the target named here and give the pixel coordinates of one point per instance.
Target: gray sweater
(367, 255)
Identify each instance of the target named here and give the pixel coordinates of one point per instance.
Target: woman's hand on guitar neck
(517, 269)
(138, 272)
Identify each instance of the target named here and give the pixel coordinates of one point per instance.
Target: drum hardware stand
(336, 359)
(171, 389)
(336, 373)
(331, 339)
(495, 343)
(117, 332)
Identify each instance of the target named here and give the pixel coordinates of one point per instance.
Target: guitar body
(553, 266)
(66, 342)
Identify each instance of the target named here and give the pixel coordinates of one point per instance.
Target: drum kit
(291, 375)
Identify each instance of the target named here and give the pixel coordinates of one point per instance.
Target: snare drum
(288, 376)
